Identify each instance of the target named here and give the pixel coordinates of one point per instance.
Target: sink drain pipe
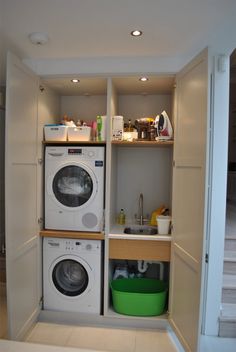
(143, 266)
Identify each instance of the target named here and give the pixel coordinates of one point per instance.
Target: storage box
(82, 133)
(55, 133)
(117, 128)
(139, 296)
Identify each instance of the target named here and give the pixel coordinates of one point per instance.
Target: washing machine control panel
(72, 245)
(83, 152)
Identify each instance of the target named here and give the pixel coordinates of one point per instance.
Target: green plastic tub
(139, 296)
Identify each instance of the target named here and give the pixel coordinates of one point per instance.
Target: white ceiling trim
(106, 65)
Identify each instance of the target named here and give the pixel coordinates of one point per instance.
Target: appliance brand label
(98, 163)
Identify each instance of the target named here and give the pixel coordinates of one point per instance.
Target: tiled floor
(82, 339)
(102, 339)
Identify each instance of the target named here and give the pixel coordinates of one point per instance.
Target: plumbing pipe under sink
(143, 266)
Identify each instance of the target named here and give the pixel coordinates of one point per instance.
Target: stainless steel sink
(140, 230)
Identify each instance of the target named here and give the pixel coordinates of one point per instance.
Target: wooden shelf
(119, 143)
(143, 143)
(74, 143)
(72, 234)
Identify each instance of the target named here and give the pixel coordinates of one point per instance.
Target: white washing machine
(74, 188)
(72, 275)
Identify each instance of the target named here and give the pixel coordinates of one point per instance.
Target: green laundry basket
(139, 296)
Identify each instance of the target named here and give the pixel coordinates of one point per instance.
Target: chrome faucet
(140, 219)
(141, 209)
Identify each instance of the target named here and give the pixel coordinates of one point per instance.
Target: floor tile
(13, 346)
(102, 339)
(115, 340)
(153, 341)
(50, 334)
(85, 337)
(119, 340)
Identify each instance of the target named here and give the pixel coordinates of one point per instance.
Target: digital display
(74, 151)
(99, 163)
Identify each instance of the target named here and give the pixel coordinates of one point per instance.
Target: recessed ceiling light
(75, 80)
(136, 33)
(38, 38)
(143, 79)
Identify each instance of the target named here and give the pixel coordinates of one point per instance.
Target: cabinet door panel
(188, 212)
(189, 200)
(21, 120)
(22, 240)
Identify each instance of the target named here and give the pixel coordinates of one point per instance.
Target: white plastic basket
(55, 133)
(81, 133)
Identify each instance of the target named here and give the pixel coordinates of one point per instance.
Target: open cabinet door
(189, 200)
(22, 240)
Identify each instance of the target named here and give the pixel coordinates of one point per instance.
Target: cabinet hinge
(41, 301)
(40, 161)
(40, 221)
(206, 258)
(41, 88)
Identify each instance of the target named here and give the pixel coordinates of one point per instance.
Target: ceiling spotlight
(75, 80)
(143, 79)
(136, 33)
(38, 38)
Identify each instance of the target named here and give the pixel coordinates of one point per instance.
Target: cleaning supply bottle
(99, 128)
(121, 217)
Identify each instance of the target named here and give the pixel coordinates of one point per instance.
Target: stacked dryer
(74, 188)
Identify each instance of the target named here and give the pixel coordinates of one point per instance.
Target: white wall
(137, 106)
(151, 169)
(85, 108)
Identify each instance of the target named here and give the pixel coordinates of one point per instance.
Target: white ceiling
(101, 28)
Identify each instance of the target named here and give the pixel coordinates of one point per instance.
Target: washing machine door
(73, 185)
(71, 276)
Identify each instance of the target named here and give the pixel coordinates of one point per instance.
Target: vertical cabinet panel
(191, 128)
(21, 199)
(189, 210)
(21, 120)
(185, 308)
(22, 242)
(24, 296)
(189, 200)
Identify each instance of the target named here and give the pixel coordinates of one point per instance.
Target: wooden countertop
(72, 234)
(143, 143)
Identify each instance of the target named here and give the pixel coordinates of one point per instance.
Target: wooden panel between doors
(72, 234)
(139, 250)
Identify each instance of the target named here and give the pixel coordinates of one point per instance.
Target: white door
(22, 239)
(189, 200)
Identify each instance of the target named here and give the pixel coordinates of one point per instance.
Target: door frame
(217, 183)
